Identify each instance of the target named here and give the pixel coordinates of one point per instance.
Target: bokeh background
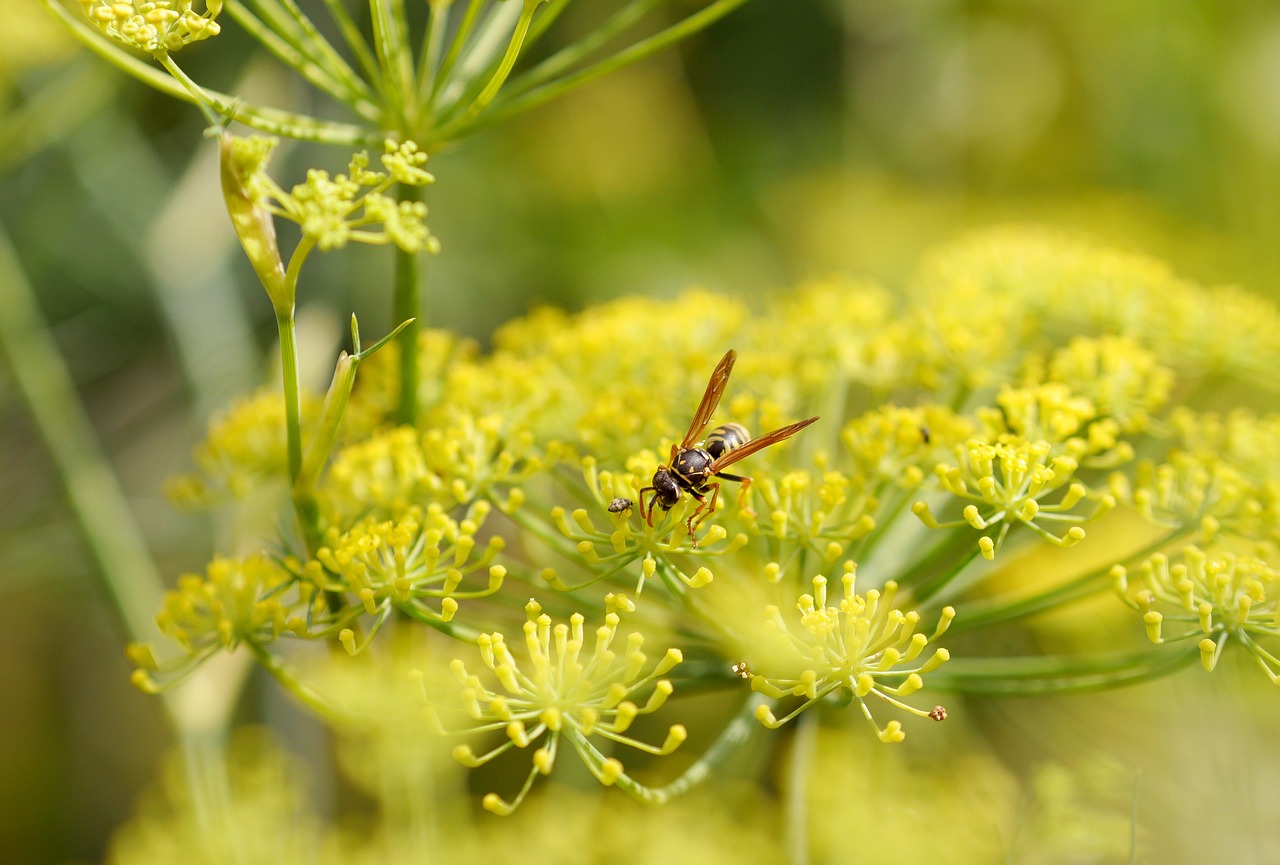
(798, 138)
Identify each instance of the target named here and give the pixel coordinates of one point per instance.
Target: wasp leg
(742, 491)
(647, 513)
(705, 509)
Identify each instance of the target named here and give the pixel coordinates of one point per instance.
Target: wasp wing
(745, 450)
(710, 398)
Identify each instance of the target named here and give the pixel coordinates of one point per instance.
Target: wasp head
(666, 492)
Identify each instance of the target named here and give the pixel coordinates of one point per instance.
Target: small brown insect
(691, 466)
(620, 505)
(742, 670)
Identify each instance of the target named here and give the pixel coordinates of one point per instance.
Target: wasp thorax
(693, 465)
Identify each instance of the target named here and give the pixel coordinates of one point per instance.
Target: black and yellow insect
(692, 467)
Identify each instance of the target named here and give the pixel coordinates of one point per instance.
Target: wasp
(692, 467)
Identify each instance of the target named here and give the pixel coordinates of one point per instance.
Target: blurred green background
(795, 139)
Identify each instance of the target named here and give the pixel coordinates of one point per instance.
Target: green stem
(112, 535)
(304, 693)
(395, 60)
(305, 507)
(736, 733)
(1060, 674)
(306, 52)
(287, 330)
(206, 103)
(353, 38)
(550, 13)
(114, 539)
(429, 56)
(645, 48)
(886, 516)
(804, 747)
(271, 121)
(945, 566)
(204, 766)
(992, 611)
(408, 305)
(580, 49)
(508, 59)
(454, 629)
(497, 35)
(459, 40)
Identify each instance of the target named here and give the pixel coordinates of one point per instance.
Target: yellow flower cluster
(1073, 286)
(1215, 596)
(861, 646)
(154, 26)
(236, 601)
(1025, 387)
(399, 563)
(566, 690)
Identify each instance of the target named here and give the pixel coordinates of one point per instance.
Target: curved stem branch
(1060, 674)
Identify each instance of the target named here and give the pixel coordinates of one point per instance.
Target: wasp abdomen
(725, 438)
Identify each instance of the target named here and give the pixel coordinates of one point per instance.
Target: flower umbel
(1214, 595)
(235, 601)
(538, 451)
(859, 646)
(155, 25)
(335, 210)
(404, 562)
(564, 691)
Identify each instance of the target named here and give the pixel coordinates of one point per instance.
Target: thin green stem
(804, 746)
(297, 49)
(992, 611)
(541, 530)
(942, 574)
(574, 53)
(454, 629)
(508, 58)
(429, 58)
(408, 305)
(395, 60)
(271, 121)
(305, 506)
(204, 765)
(353, 38)
(488, 42)
(550, 13)
(314, 44)
(735, 734)
(114, 539)
(504, 108)
(287, 330)
(1060, 674)
(460, 37)
(303, 692)
(886, 516)
(206, 103)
